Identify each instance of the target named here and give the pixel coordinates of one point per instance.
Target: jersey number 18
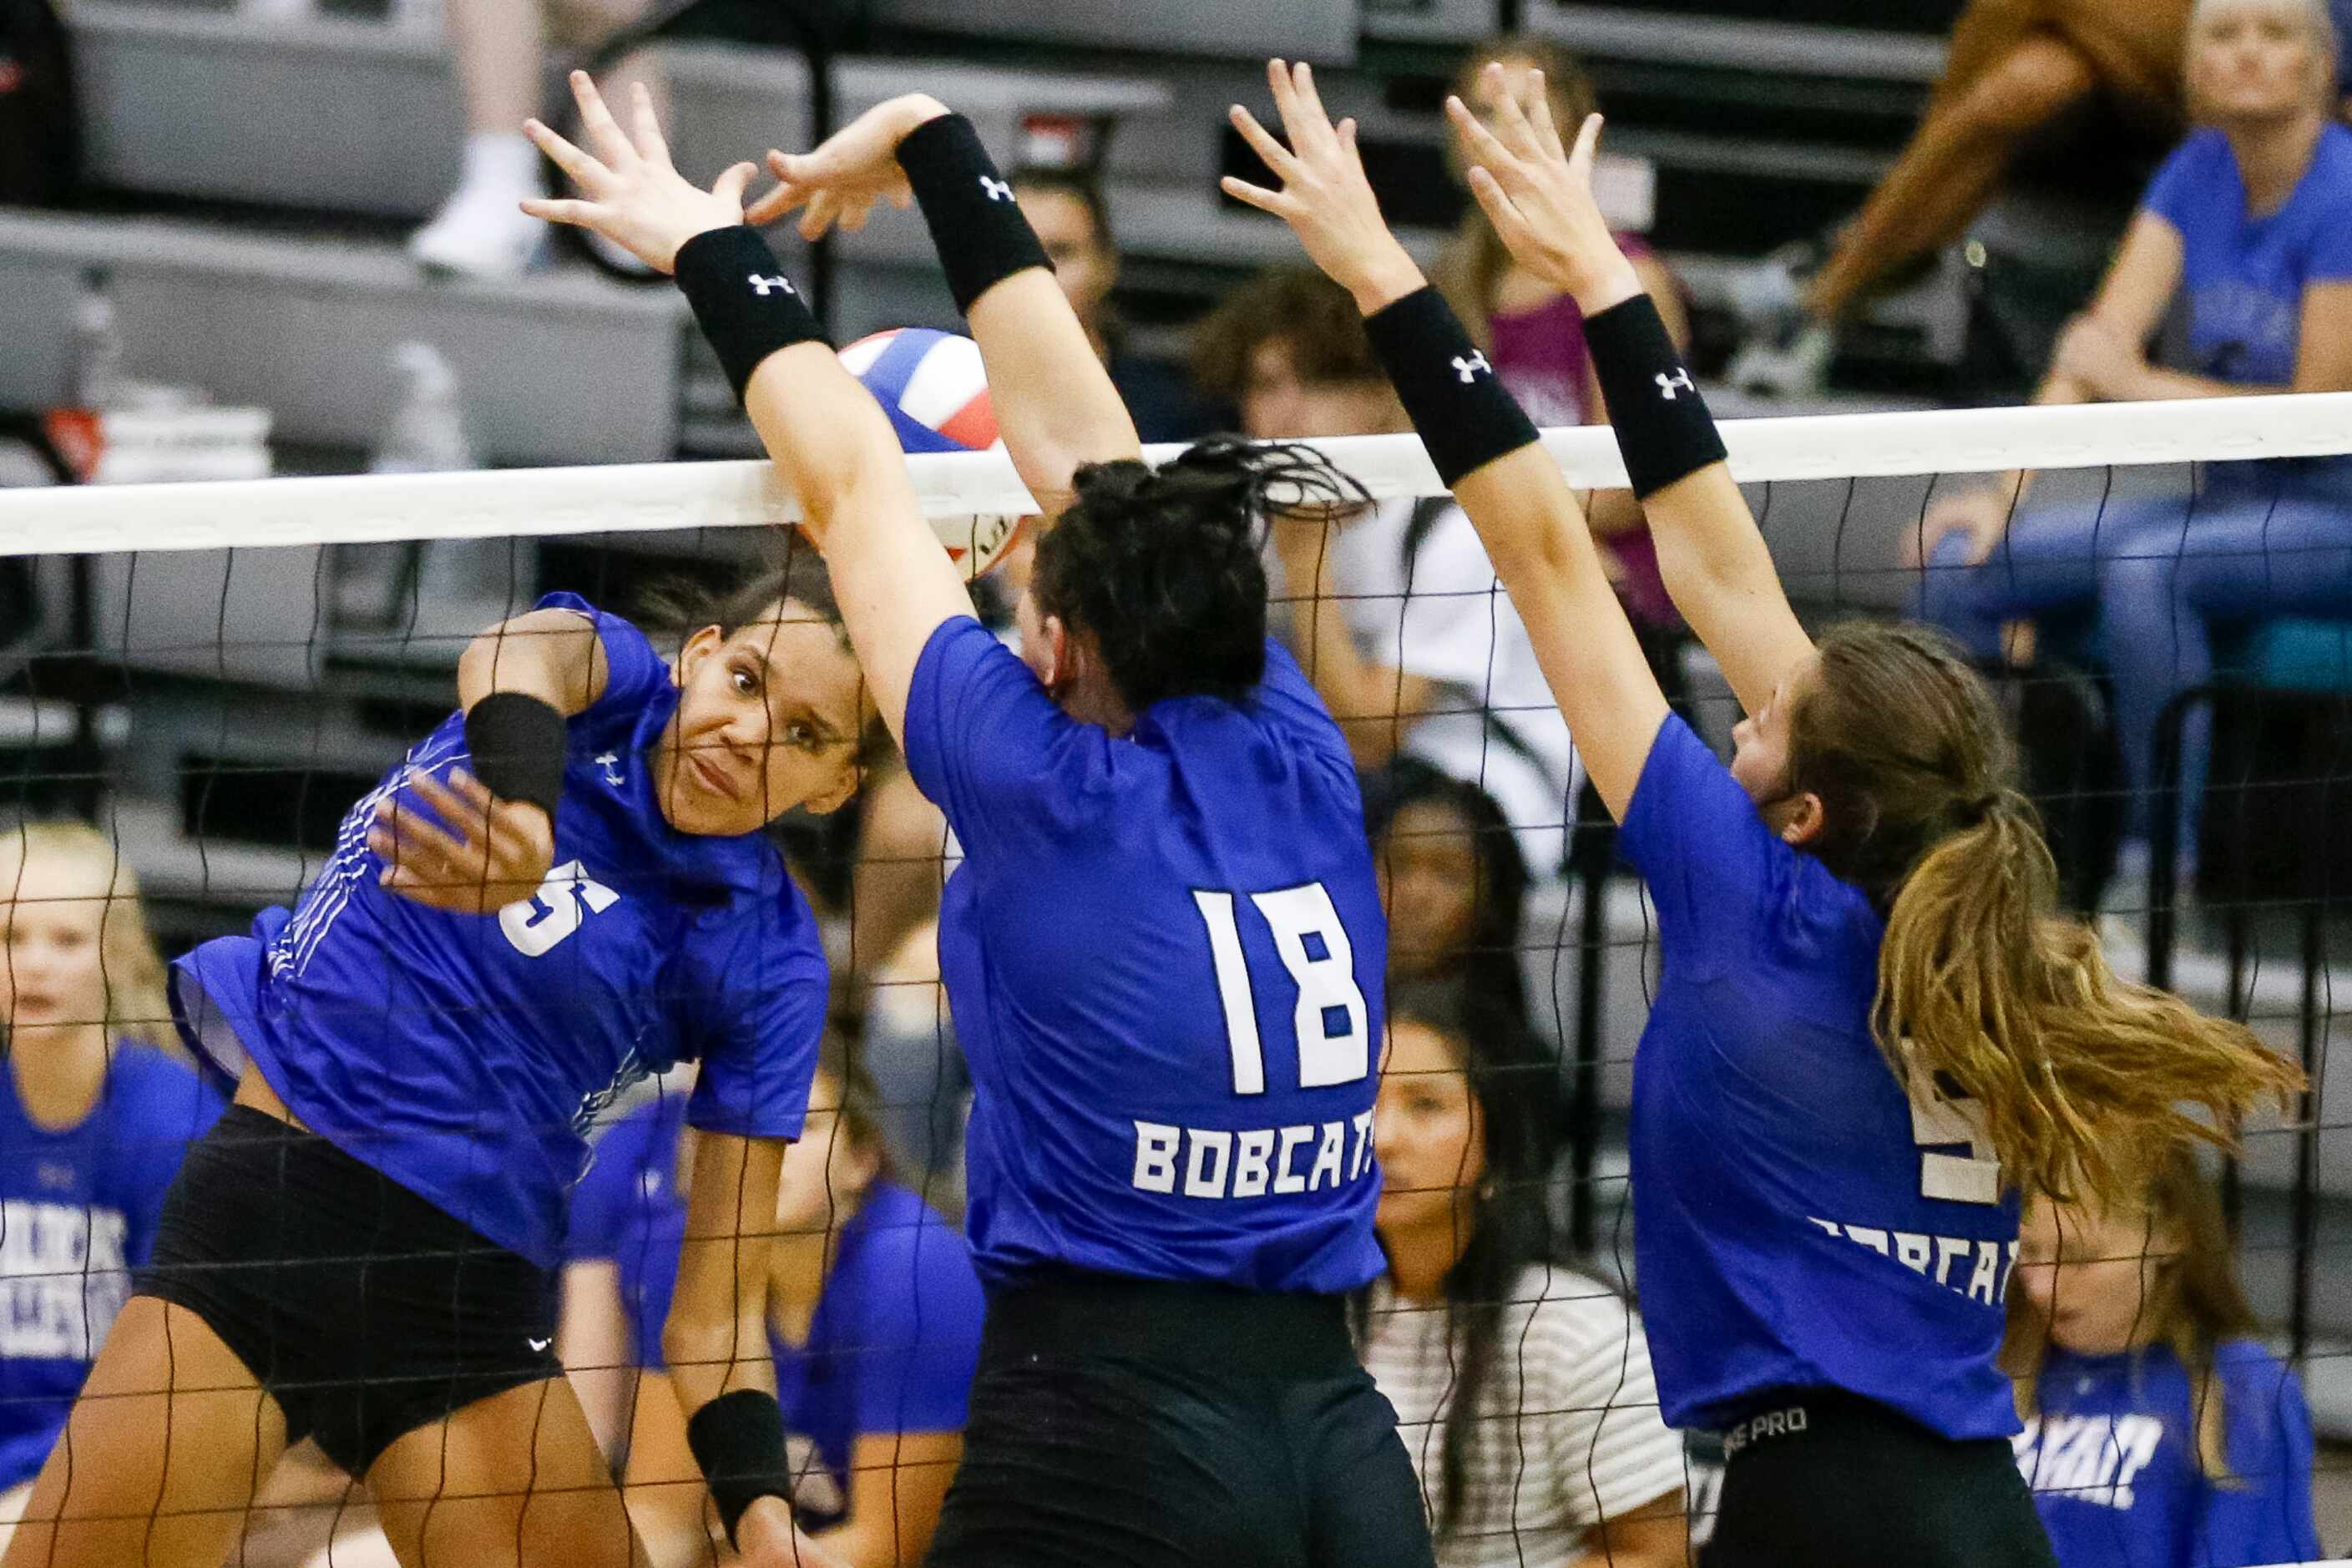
(1331, 1020)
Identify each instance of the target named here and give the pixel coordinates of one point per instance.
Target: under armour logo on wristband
(1668, 383)
(996, 190)
(768, 285)
(1471, 368)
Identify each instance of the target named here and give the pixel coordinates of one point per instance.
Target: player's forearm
(552, 655)
(715, 1338)
(1055, 402)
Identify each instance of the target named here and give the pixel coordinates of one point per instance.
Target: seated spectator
(1072, 218)
(1534, 333)
(2013, 67)
(2251, 219)
(2158, 1432)
(94, 1121)
(872, 1315)
(1523, 1389)
(1396, 615)
(1455, 886)
(480, 231)
(918, 1067)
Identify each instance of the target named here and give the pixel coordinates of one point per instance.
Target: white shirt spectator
(1424, 600)
(1568, 1430)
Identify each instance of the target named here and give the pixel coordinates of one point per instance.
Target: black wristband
(518, 744)
(742, 301)
(1664, 430)
(739, 1440)
(1465, 417)
(976, 225)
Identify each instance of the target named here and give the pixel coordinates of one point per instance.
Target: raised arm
(831, 440)
(1517, 497)
(1538, 196)
(1055, 402)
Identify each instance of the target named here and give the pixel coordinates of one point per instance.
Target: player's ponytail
(1163, 566)
(2084, 1082)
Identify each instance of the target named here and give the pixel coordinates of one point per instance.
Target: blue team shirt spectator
(897, 1330)
(1801, 1224)
(2243, 274)
(1163, 951)
(2112, 1457)
(465, 1057)
(77, 1213)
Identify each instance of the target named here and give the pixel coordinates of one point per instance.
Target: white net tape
(659, 497)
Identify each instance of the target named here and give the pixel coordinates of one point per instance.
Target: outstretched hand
(1538, 194)
(633, 195)
(1325, 197)
(857, 166)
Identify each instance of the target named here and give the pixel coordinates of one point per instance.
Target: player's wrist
(1465, 418)
(517, 745)
(976, 227)
(1663, 427)
(917, 109)
(745, 305)
(1387, 278)
(1605, 287)
(738, 1440)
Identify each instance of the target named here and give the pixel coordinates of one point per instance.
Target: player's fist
(766, 1538)
(472, 854)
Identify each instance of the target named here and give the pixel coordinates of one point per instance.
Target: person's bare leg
(480, 231)
(501, 60)
(1950, 168)
(162, 1456)
(512, 1481)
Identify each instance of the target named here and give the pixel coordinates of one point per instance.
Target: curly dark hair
(1162, 565)
(1296, 305)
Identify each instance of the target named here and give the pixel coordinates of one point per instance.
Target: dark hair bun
(1162, 565)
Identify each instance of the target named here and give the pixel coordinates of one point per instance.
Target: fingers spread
(596, 123)
(1275, 155)
(582, 170)
(1501, 211)
(1588, 146)
(1313, 121)
(1539, 115)
(772, 206)
(1484, 148)
(580, 215)
(647, 127)
(1257, 196)
(730, 185)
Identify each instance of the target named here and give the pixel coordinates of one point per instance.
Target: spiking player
(1871, 1025)
(1164, 946)
(562, 888)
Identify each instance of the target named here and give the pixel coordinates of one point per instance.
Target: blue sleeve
(633, 668)
(1710, 863)
(1285, 692)
(925, 1305)
(755, 990)
(2263, 1513)
(169, 1108)
(2182, 192)
(987, 745)
(599, 1204)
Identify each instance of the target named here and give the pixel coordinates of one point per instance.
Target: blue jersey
(1163, 951)
(896, 1336)
(2245, 276)
(465, 1055)
(77, 1212)
(2112, 1459)
(1802, 1221)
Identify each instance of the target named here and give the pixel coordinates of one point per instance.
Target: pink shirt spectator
(1541, 355)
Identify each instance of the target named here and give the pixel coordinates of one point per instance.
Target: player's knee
(2033, 82)
(585, 1528)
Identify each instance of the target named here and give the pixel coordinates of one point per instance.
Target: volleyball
(935, 390)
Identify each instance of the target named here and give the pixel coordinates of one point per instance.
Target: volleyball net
(214, 673)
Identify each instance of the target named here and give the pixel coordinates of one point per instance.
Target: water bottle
(98, 345)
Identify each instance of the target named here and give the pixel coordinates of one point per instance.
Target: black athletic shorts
(366, 1312)
(1822, 1478)
(1135, 1423)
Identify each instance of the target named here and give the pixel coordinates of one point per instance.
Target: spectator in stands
(1455, 886)
(2158, 1432)
(1072, 218)
(1534, 333)
(1522, 1389)
(873, 1316)
(1395, 613)
(2251, 219)
(2013, 66)
(93, 1122)
(480, 231)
